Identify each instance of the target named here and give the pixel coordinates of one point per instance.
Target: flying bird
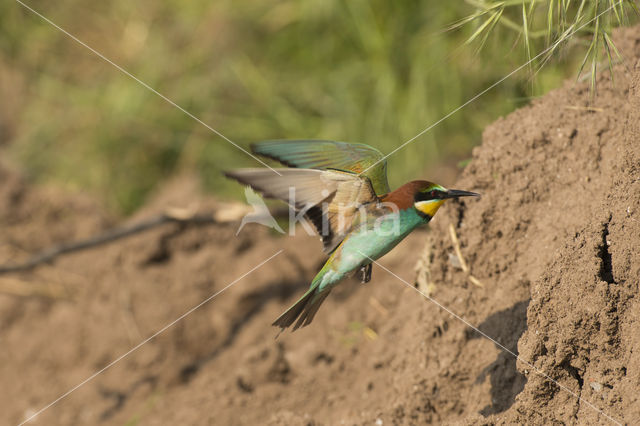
(342, 189)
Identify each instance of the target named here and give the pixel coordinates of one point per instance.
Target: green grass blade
(609, 56)
(482, 27)
(525, 27)
(549, 21)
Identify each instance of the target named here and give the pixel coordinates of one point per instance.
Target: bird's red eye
(434, 194)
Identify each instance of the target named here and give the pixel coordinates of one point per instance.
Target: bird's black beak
(455, 193)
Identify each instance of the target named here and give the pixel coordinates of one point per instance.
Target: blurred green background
(376, 72)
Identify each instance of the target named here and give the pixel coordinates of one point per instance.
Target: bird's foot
(365, 273)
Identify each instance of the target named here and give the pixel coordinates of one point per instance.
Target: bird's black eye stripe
(434, 194)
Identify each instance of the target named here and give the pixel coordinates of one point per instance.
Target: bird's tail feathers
(303, 311)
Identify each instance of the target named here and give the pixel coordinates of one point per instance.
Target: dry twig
(463, 263)
(171, 216)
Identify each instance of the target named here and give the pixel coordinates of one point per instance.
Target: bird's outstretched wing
(324, 155)
(329, 198)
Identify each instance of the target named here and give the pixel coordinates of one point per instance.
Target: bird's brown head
(426, 197)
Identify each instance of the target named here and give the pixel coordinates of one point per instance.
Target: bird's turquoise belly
(373, 241)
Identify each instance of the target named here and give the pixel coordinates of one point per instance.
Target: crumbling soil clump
(544, 266)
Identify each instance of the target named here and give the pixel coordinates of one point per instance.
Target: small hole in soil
(573, 371)
(606, 269)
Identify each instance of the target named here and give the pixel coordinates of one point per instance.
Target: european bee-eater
(342, 189)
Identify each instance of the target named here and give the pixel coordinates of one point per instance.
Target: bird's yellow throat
(429, 207)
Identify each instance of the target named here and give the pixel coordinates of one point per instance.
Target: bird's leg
(365, 273)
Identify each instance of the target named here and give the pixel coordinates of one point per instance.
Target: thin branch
(111, 235)
(50, 254)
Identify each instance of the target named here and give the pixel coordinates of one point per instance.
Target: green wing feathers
(322, 155)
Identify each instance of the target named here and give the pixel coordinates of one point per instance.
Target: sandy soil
(553, 241)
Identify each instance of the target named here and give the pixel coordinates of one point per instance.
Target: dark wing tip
(235, 175)
(253, 147)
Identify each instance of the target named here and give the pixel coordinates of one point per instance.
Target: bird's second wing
(330, 199)
(324, 155)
